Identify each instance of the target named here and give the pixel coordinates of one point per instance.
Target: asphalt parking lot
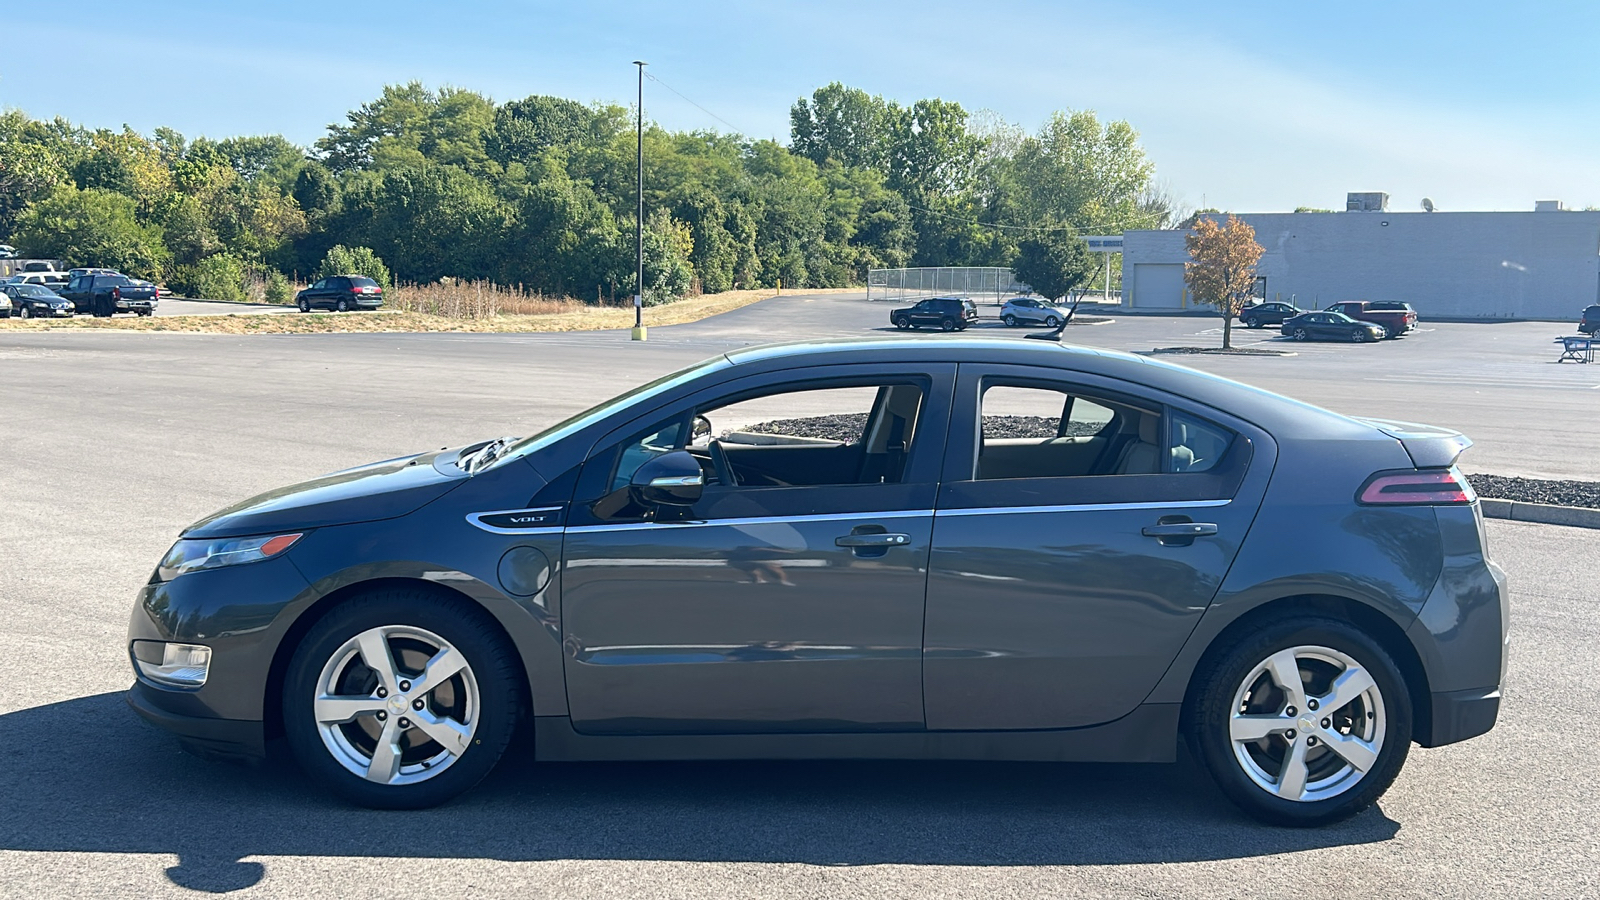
(117, 440)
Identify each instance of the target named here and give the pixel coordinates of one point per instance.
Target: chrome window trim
(754, 520)
(476, 520)
(1081, 507)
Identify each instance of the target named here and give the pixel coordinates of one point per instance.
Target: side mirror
(671, 479)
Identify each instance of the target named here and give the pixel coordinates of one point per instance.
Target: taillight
(1428, 487)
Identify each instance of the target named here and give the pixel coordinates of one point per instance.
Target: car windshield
(34, 290)
(593, 414)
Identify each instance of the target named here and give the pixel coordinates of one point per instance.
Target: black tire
(1051, 322)
(1362, 336)
(1253, 323)
(305, 305)
(902, 322)
(1210, 711)
(1389, 333)
(1301, 335)
(492, 664)
(1010, 320)
(947, 324)
(342, 306)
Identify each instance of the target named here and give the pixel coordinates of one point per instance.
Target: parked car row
(99, 292)
(1348, 320)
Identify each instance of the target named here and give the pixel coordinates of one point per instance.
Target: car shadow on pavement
(98, 780)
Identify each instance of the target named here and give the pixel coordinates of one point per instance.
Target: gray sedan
(1032, 311)
(950, 549)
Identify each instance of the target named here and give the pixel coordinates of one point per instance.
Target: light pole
(638, 222)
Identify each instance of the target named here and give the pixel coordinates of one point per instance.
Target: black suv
(948, 313)
(1590, 323)
(342, 293)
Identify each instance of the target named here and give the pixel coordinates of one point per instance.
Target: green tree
(1222, 270)
(668, 245)
(846, 125)
(217, 277)
(93, 227)
(525, 128)
(342, 260)
(410, 125)
(1090, 175)
(1054, 263)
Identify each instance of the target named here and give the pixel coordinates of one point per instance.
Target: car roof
(1274, 412)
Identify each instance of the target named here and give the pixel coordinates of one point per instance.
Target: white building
(1491, 265)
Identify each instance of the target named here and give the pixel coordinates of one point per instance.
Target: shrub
(278, 288)
(220, 276)
(342, 260)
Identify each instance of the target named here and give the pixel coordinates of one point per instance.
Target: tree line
(539, 192)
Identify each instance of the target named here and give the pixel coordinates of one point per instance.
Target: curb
(1543, 513)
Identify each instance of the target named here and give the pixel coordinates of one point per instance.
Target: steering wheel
(719, 462)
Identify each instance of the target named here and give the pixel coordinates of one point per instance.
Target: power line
(736, 129)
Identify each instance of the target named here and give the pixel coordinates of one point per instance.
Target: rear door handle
(872, 540)
(1180, 529)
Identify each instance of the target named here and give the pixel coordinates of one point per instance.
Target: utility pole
(638, 223)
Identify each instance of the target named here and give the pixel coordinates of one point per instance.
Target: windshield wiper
(484, 455)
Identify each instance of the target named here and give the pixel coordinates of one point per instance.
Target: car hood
(381, 490)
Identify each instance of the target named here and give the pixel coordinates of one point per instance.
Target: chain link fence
(980, 284)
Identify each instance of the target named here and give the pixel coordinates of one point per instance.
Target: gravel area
(1534, 490)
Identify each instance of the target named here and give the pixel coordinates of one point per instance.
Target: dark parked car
(924, 549)
(1273, 313)
(341, 293)
(32, 301)
(1331, 326)
(946, 313)
(1394, 317)
(1589, 322)
(105, 295)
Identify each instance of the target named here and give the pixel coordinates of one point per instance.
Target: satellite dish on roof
(1427, 205)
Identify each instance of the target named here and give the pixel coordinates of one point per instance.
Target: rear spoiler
(1430, 447)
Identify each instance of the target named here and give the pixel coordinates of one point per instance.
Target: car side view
(33, 301)
(944, 313)
(1032, 311)
(341, 293)
(934, 549)
(1331, 326)
(1271, 313)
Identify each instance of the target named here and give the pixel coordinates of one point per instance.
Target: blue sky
(1250, 106)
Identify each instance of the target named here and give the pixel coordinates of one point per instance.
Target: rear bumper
(207, 737)
(1459, 715)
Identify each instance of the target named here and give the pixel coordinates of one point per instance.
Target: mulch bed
(1537, 490)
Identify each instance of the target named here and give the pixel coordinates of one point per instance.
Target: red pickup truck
(1396, 318)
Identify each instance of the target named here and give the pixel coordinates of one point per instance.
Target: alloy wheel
(1307, 723)
(397, 705)
(1300, 334)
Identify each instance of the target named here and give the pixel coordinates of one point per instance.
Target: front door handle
(879, 539)
(1180, 530)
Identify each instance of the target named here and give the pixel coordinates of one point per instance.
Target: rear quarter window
(363, 282)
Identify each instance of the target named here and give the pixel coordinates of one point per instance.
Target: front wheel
(305, 305)
(27, 312)
(1051, 322)
(1361, 336)
(401, 699)
(1304, 722)
(902, 323)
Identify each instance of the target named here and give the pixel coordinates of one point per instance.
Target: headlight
(189, 556)
(181, 665)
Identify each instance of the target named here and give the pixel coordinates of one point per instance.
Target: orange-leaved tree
(1223, 268)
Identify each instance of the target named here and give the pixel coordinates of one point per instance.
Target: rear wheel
(948, 324)
(1010, 320)
(1389, 333)
(1305, 721)
(1300, 334)
(401, 699)
(342, 306)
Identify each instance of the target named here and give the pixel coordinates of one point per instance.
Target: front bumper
(205, 736)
